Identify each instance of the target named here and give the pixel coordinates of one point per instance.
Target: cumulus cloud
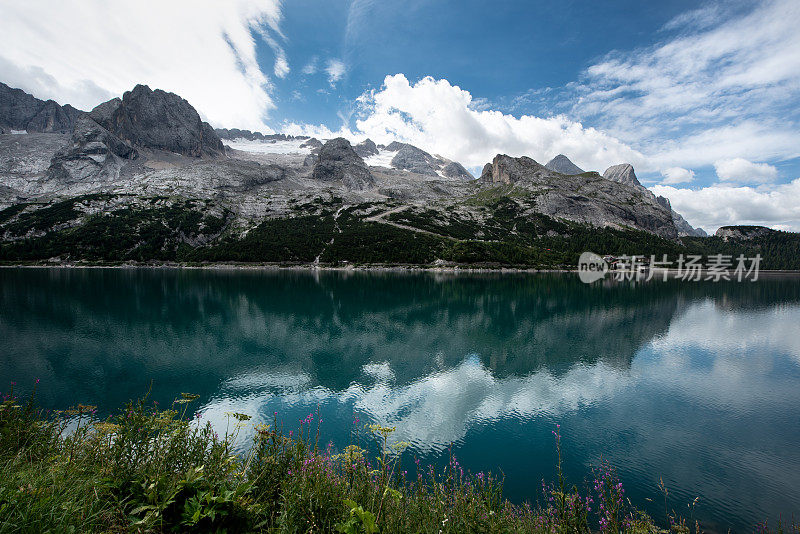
(724, 204)
(85, 52)
(335, 70)
(741, 170)
(441, 117)
(677, 175)
(320, 131)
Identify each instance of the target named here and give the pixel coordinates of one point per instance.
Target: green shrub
(151, 470)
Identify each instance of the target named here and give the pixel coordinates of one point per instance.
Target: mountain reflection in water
(697, 383)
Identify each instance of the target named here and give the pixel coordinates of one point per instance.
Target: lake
(694, 383)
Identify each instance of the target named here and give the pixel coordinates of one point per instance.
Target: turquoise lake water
(694, 383)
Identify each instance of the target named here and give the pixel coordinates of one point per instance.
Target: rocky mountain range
(22, 112)
(624, 174)
(151, 150)
(233, 134)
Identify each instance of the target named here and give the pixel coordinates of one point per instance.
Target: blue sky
(496, 50)
(703, 97)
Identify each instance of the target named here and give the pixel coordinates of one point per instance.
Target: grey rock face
(366, 148)
(563, 165)
(24, 160)
(413, 159)
(394, 146)
(684, 228)
(456, 170)
(21, 111)
(104, 113)
(507, 170)
(742, 233)
(338, 162)
(312, 143)
(93, 154)
(623, 174)
(587, 198)
(161, 121)
(681, 224)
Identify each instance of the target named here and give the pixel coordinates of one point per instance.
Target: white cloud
(722, 204)
(695, 19)
(440, 408)
(425, 412)
(335, 70)
(748, 139)
(677, 175)
(724, 72)
(85, 52)
(281, 64)
(311, 67)
(440, 117)
(741, 170)
(320, 131)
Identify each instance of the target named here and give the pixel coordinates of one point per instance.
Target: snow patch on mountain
(269, 147)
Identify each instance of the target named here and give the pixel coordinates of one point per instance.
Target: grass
(148, 469)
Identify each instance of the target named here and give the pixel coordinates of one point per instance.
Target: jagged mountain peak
(412, 159)
(506, 169)
(158, 120)
(623, 174)
(366, 148)
(338, 162)
(21, 111)
(563, 165)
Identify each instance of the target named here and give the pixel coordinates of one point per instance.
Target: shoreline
(287, 267)
(454, 269)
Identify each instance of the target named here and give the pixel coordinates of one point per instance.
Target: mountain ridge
(21, 111)
(150, 147)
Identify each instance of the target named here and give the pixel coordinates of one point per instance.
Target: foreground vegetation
(152, 470)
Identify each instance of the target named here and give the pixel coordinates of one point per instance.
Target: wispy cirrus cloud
(733, 73)
(696, 19)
